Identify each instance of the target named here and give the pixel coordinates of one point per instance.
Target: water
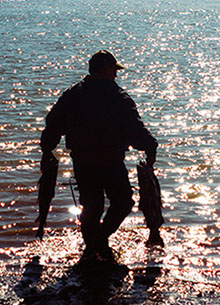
(172, 51)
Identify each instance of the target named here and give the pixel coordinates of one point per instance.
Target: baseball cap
(103, 58)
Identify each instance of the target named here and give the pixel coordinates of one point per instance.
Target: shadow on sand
(101, 283)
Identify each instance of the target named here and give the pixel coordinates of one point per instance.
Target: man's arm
(55, 126)
(139, 136)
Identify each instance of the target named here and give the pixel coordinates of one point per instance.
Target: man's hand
(151, 159)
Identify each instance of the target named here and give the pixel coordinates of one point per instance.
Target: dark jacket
(96, 116)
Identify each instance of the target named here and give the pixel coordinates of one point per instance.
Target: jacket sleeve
(55, 125)
(137, 135)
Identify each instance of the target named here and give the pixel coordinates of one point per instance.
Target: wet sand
(47, 272)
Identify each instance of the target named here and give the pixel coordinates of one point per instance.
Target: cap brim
(119, 66)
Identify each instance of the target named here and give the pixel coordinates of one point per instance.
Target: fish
(46, 192)
(150, 196)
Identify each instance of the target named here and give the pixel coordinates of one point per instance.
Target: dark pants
(95, 179)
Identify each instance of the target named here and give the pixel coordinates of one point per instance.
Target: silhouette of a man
(100, 121)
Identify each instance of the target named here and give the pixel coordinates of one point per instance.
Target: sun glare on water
(75, 210)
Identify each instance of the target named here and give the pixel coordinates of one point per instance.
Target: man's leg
(119, 192)
(92, 199)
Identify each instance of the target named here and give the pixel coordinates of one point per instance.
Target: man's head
(105, 64)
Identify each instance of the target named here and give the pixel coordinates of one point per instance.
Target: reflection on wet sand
(98, 283)
(91, 284)
(186, 270)
(26, 288)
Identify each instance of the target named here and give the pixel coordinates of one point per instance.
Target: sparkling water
(172, 53)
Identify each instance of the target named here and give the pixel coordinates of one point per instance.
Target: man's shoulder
(71, 92)
(73, 88)
(122, 93)
(114, 87)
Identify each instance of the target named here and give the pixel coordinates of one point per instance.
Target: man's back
(96, 115)
(93, 117)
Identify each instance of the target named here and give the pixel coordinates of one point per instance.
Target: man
(100, 121)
